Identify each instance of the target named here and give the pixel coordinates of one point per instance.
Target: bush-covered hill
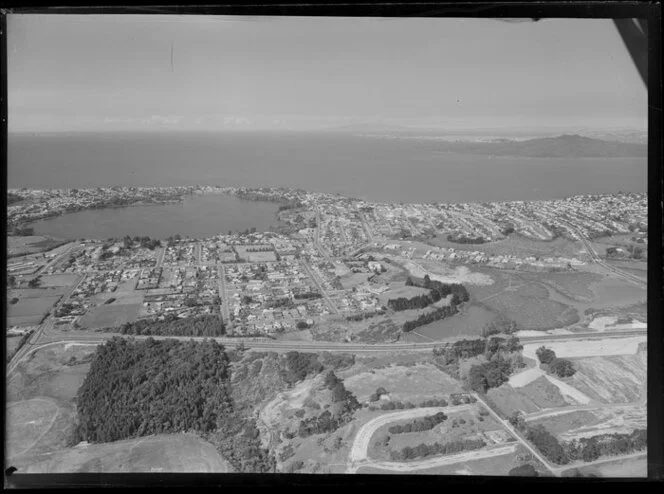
(139, 388)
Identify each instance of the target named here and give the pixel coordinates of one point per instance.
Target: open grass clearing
(415, 383)
(47, 373)
(27, 422)
(183, 453)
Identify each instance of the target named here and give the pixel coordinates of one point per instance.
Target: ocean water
(391, 170)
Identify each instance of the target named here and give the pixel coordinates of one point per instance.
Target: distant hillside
(565, 146)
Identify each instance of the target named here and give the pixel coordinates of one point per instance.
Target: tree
(545, 355)
(427, 281)
(562, 367)
(409, 281)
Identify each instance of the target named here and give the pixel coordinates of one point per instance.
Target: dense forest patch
(139, 388)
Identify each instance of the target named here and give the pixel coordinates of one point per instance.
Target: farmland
(612, 379)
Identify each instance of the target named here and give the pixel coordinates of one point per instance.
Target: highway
(43, 338)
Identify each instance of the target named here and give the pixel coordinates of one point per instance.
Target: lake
(390, 170)
(198, 216)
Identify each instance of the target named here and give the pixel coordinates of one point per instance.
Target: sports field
(110, 316)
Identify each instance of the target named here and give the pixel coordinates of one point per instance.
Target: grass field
(11, 343)
(543, 393)
(575, 285)
(469, 322)
(534, 310)
(509, 400)
(612, 292)
(110, 316)
(416, 383)
(162, 453)
(58, 280)
(29, 310)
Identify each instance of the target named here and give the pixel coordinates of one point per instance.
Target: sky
(122, 72)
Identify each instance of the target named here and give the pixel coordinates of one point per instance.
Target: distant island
(564, 146)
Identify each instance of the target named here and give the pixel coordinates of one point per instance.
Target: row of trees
(460, 239)
(419, 425)
(203, 325)
(361, 316)
(424, 450)
(437, 291)
(429, 317)
(455, 399)
(453, 353)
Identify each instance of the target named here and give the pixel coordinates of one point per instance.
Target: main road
(595, 258)
(43, 338)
